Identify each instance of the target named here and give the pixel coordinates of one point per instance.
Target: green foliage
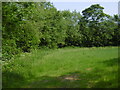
(9, 49)
(27, 37)
(18, 26)
(27, 26)
(32, 25)
(97, 27)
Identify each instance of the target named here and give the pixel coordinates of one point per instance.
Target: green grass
(63, 68)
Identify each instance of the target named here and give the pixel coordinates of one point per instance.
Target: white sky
(110, 6)
(83, 0)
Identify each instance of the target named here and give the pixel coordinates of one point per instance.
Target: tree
(72, 27)
(93, 17)
(28, 25)
(115, 38)
(18, 30)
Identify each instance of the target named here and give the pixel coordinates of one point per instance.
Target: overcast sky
(110, 7)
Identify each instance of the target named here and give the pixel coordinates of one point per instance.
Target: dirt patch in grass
(88, 69)
(70, 77)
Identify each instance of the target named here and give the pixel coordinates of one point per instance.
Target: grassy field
(63, 68)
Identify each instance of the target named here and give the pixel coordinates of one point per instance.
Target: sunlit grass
(66, 67)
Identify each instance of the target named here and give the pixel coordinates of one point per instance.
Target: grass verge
(63, 68)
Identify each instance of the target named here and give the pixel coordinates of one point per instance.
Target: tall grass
(66, 67)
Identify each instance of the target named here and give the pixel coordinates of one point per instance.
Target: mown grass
(63, 68)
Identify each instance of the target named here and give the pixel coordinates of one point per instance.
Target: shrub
(9, 49)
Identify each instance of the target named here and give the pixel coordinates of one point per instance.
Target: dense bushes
(9, 49)
(28, 25)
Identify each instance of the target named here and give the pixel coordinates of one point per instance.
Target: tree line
(31, 25)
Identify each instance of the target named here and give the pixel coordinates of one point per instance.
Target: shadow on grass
(70, 80)
(94, 78)
(12, 80)
(74, 80)
(112, 62)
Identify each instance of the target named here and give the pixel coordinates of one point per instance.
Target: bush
(9, 49)
(27, 36)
